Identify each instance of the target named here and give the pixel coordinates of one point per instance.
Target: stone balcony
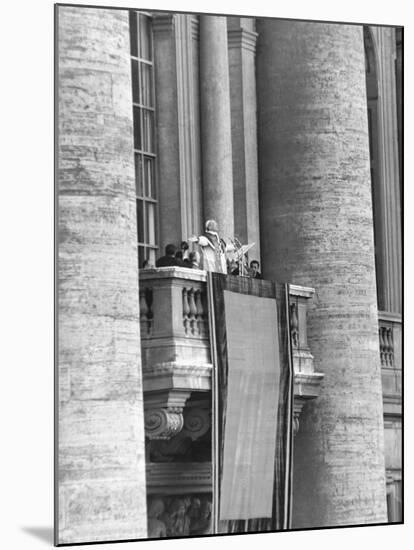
(307, 382)
(177, 372)
(176, 350)
(390, 343)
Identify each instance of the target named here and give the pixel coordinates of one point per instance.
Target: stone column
(388, 180)
(216, 150)
(242, 49)
(317, 230)
(100, 430)
(178, 127)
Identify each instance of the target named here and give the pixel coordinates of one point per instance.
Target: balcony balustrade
(176, 350)
(389, 328)
(177, 370)
(307, 382)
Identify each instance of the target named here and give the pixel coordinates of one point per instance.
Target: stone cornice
(163, 23)
(392, 406)
(175, 367)
(188, 477)
(388, 316)
(170, 376)
(304, 291)
(306, 388)
(242, 38)
(393, 474)
(307, 385)
(172, 272)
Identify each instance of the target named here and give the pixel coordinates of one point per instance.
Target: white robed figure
(212, 248)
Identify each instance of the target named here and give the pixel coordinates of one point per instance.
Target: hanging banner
(252, 404)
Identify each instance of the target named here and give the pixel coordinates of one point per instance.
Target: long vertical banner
(252, 404)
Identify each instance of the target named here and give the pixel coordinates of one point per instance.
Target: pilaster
(242, 48)
(179, 172)
(216, 144)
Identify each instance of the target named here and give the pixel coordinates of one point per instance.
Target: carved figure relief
(156, 527)
(178, 516)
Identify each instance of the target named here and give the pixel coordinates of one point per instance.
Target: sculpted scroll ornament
(196, 422)
(163, 423)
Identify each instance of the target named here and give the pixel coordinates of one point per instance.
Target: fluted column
(216, 149)
(100, 445)
(317, 230)
(242, 49)
(178, 127)
(388, 181)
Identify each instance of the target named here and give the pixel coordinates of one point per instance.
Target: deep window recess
(142, 71)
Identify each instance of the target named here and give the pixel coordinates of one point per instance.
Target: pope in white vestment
(212, 249)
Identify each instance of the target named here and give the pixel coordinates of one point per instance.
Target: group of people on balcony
(180, 257)
(213, 254)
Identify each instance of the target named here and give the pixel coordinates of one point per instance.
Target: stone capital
(163, 423)
(242, 38)
(163, 23)
(163, 413)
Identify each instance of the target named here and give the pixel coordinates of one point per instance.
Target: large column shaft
(216, 123)
(388, 181)
(100, 446)
(317, 230)
(178, 128)
(242, 49)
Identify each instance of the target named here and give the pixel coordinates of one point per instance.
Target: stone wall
(100, 445)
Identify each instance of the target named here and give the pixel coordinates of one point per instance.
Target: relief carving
(179, 516)
(156, 527)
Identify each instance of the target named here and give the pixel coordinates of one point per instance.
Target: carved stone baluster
(390, 347)
(294, 325)
(205, 313)
(193, 310)
(186, 311)
(382, 346)
(385, 340)
(200, 311)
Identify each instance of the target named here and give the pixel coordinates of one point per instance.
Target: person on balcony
(185, 249)
(212, 248)
(169, 259)
(254, 270)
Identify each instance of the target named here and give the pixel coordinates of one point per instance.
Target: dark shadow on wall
(43, 533)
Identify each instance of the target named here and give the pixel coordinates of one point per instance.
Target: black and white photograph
(229, 263)
(228, 275)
